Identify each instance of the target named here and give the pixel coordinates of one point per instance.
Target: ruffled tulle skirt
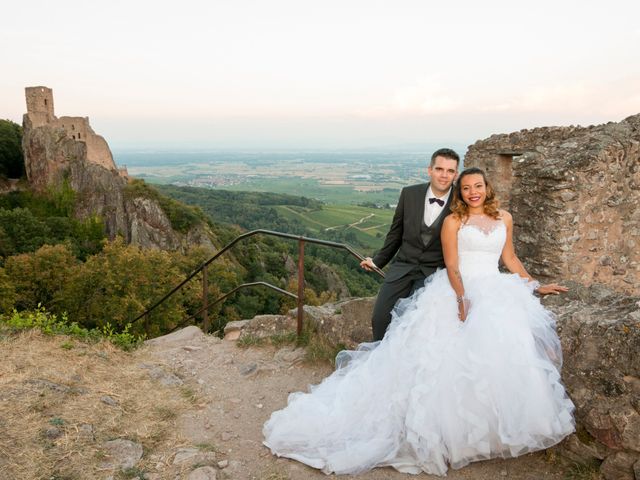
(436, 392)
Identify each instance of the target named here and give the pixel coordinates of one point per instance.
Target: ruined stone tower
(81, 142)
(39, 105)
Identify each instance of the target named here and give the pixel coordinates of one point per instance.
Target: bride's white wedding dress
(437, 392)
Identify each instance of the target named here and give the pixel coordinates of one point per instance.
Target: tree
(39, 277)
(7, 293)
(11, 157)
(122, 281)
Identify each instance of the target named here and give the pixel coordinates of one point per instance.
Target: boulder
(121, 454)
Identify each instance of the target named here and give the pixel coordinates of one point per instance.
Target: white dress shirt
(433, 210)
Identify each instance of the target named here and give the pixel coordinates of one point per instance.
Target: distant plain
(359, 190)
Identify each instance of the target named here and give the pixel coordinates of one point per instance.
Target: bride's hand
(463, 309)
(551, 289)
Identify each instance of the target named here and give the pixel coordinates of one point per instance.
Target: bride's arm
(508, 256)
(449, 239)
(514, 265)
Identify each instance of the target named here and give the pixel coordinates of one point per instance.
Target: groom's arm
(393, 240)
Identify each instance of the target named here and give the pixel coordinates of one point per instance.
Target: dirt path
(235, 391)
(349, 225)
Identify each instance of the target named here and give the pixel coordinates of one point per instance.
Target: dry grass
(80, 374)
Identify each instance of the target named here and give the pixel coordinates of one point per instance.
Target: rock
(193, 456)
(86, 433)
(583, 452)
(335, 283)
(232, 329)
(109, 401)
(264, 326)
(53, 432)
(121, 454)
(56, 387)
(347, 322)
(165, 378)
(619, 466)
(183, 336)
(289, 355)
(636, 470)
(600, 342)
(191, 348)
(223, 464)
(248, 369)
(203, 473)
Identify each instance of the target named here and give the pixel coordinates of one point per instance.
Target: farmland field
(369, 225)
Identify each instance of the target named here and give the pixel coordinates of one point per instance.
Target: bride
(468, 369)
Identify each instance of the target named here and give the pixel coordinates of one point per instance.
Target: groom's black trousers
(389, 294)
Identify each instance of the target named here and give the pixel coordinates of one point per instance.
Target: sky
(258, 74)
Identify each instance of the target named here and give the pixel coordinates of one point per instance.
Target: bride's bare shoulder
(505, 216)
(451, 221)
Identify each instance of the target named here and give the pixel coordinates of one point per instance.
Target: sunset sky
(321, 74)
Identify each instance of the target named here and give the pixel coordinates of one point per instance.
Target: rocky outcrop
(600, 334)
(53, 157)
(575, 196)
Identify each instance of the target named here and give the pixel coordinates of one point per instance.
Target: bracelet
(533, 286)
(460, 299)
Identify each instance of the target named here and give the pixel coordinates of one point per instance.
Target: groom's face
(442, 173)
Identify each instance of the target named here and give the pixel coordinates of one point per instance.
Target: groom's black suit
(419, 253)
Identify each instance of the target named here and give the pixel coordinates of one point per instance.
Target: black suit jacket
(405, 238)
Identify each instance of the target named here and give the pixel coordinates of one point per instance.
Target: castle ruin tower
(39, 105)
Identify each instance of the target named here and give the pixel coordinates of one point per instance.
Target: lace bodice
(480, 243)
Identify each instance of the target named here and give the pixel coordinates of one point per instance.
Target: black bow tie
(436, 200)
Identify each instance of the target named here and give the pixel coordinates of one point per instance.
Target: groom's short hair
(446, 153)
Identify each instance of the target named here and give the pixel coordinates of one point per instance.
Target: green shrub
(50, 324)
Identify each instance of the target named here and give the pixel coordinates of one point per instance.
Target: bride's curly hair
(491, 204)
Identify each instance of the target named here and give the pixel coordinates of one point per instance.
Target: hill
(363, 227)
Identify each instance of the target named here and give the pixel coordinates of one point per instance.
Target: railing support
(300, 285)
(205, 301)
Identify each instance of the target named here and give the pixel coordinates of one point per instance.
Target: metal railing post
(300, 285)
(205, 301)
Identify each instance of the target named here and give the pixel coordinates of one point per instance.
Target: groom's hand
(368, 264)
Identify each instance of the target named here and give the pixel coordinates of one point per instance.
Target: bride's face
(473, 190)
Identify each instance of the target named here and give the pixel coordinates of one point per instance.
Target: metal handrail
(239, 287)
(301, 240)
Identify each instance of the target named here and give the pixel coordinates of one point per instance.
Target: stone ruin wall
(575, 196)
(78, 128)
(40, 113)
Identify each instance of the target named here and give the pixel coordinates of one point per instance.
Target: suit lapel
(422, 198)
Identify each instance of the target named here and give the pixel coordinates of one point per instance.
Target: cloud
(430, 96)
(610, 97)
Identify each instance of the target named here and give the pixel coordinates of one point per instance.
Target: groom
(415, 237)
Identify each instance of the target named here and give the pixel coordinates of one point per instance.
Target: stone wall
(575, 195)
(78, 128)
